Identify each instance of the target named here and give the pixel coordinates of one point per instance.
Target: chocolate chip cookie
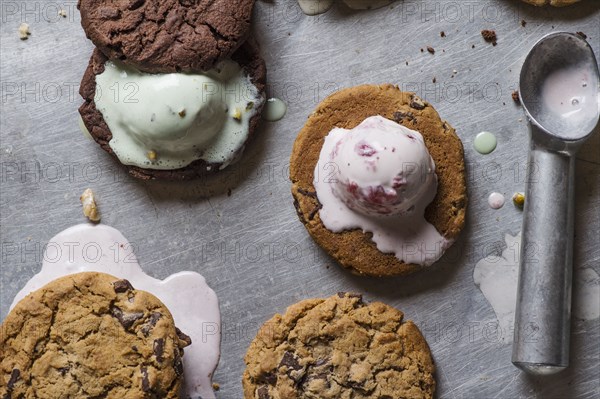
(90, 335)
(167, 35)
(339, 347)
(248, 56)
(354, 249)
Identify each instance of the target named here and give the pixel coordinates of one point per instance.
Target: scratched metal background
(250, 245)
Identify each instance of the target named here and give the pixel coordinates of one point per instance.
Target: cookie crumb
(431, 49)
(519, 200)
(182, 113)
(490, 36)
(582, 35)
(62, 13)
(249, 106)
(442, 34)
(24, 31)
(515, 97)
(237, 114)
(151, 155)
(90, 209)
(216, 386)
(523, 23)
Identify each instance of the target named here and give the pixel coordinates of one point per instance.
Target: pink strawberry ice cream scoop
(382, 168)
(379, 177)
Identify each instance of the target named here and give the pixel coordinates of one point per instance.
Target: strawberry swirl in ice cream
(379, 177)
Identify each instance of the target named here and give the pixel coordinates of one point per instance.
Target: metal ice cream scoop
(559, 89)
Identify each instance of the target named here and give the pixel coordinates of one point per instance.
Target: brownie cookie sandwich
(339, 347)
(172, 91)
(378, 180)
(90, 335)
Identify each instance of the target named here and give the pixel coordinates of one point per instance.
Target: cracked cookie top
(161, 36)
(339, 347)
(90, 335)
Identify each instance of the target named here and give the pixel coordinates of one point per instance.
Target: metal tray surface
(249, 245)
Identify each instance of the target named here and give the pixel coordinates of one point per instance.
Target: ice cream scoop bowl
(559, 89)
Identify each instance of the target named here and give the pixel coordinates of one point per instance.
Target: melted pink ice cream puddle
(193, 304)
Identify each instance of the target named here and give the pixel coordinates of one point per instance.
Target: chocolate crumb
(515, 97)
(431, 49)
(443, 34)
(582, 35)
(523, 23)
(490, 36)
(216, 386)
(434, 79)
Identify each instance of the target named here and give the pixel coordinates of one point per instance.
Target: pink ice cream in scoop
(382, 168)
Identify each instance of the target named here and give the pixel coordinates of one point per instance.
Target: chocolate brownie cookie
(248, 56)
(167, 35)
(90, 335)
(355, 249)
(339, 347)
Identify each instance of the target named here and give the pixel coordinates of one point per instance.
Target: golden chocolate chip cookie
(339, 347)
(90, 335)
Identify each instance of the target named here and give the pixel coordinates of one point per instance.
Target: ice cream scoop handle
(543, 310)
